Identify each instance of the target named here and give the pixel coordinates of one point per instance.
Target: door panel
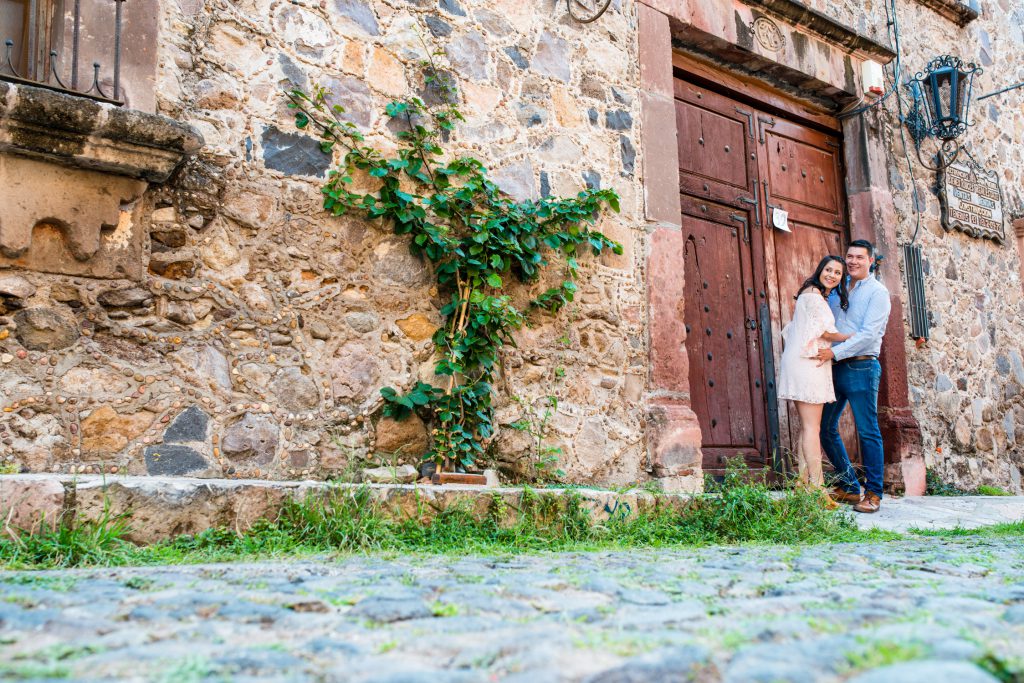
(713, 145)
(802, 173)
(717, 309)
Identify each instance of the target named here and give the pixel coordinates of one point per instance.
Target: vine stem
(461, 319)
(324, 127)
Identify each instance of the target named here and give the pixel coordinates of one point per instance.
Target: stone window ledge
(82, 133)
(959, 12)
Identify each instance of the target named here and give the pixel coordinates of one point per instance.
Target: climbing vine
(478, 239)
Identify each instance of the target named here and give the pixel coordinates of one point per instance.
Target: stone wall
(967, 383)
(257, 339)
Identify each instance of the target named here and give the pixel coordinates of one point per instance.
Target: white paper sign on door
(780, 219)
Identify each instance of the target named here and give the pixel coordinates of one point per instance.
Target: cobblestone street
(819, 613)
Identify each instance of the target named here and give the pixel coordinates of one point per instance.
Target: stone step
(164, 507)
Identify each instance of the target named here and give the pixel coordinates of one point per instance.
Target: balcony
(72, 47)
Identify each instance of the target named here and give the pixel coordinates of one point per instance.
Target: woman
(803, 379)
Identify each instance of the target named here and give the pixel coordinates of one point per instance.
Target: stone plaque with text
(972, 201)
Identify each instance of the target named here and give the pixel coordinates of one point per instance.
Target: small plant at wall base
(478, 239)
(534, 423)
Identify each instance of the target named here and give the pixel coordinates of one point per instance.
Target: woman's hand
(835, 336)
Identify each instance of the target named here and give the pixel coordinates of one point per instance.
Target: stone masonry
(253, 333)
(256, 339)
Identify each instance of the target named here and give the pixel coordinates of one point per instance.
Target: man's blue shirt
(865, 318)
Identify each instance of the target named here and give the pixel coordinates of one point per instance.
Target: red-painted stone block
(655, 42)
(669, 364)
(661, 159)
(673, 439)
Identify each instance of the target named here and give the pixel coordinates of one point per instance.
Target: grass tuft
(70, 543)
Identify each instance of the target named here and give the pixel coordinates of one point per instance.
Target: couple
(830, 358)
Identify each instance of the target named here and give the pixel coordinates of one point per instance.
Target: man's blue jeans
(856, 382)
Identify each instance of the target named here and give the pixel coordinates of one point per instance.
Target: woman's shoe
(827, 502)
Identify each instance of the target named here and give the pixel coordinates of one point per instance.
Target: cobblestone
(826, 613)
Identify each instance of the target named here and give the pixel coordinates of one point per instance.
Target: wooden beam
(755, 91)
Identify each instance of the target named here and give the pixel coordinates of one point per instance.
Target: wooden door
(724, 264)
(739, 163)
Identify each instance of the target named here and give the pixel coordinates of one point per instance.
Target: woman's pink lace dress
(800, 377)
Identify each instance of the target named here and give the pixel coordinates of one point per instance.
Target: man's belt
(853, 358)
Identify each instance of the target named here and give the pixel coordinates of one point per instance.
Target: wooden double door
(738, 165)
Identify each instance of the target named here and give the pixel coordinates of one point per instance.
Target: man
(856, 375)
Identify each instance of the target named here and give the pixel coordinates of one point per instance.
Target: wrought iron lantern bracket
(941, 100)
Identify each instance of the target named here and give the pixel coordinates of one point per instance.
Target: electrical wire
(897, 42)
(898, 45)
(892, 24)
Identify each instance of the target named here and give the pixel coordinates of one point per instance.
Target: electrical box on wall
(872, 78)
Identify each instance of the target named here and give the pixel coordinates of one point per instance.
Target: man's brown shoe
(870, 503)
(841, 496)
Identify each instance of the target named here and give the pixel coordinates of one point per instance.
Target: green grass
(47, 663)
(70, 544)
(445, 609)
(935, 486)
(877, 654)
(985, 490)
(20, 671)
(993, 531)
(187, 670)
(739, 510)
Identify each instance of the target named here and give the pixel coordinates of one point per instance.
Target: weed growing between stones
(876, 654)
(935, 486)
(478, 239)
(69, 543)
(739, 510)
(535, 423)
(1003, 669)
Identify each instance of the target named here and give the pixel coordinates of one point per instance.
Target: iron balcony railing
(47, 72)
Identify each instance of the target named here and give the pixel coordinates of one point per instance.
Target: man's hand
(825, 356)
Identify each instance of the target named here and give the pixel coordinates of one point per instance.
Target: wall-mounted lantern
(941, 106)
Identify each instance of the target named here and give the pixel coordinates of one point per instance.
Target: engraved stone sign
(971, 201)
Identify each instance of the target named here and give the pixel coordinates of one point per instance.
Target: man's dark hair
(864, 244)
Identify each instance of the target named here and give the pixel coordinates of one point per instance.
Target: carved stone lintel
(801, 16)
(72, 171)
(68, 220)
(79, 132)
